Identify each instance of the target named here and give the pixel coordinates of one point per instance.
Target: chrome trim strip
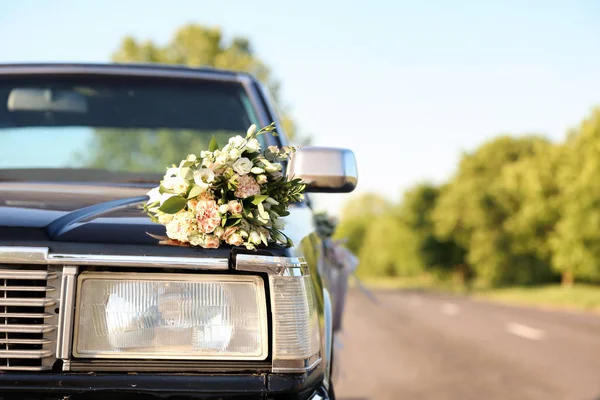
(303, 366)
(23, 255)
(118, 70)
(140, 261)
(64, 338)
(41, 255)
(281, 266)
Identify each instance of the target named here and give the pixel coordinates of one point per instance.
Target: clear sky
(407, 85)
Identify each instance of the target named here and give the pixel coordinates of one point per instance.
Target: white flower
(221, 159)
(154, 195)
(204, 177)
(237, 141)
(252, 146)
(261, 179)
(223, 208)
(279, 223)
(254, 237)
(175, 183)
(182, 226)
(164, 218)
(257, 170)
(242, 166)
(172, 172)
(251, 130)
(206, 154)
(234, 154)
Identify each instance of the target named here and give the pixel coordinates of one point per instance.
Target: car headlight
(174, 316)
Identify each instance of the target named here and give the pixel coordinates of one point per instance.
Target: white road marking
(524, 331)
(450, 309)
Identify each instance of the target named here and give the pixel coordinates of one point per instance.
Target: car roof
(121, 69)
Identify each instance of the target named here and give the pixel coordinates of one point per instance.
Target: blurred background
(477, 132)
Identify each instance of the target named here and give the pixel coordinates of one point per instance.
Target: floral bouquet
(233, 195)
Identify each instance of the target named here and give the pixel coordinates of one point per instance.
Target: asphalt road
(414, 345)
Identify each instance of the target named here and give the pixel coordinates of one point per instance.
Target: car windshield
(112, 129)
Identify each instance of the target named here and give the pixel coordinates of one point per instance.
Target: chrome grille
(29, 301)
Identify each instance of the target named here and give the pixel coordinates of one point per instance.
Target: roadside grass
(580, 297)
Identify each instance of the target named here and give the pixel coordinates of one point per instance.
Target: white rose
(237, 141)
(242, 166)
(252, 146)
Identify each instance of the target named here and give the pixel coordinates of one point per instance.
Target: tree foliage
(481, 208)
(518, 211)
(576, 243)
(196, 45)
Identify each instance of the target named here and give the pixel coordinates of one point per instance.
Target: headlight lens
(172, 316)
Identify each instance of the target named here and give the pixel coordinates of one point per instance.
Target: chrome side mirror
(324, 170)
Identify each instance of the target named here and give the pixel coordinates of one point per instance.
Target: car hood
(94, 213)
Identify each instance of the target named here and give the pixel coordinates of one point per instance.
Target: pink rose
(235, 207)
(229, 231)
(235, 239)
(207, 214)
(211, 242)
(247, 187)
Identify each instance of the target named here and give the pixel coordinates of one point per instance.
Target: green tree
(389, 248)
(487, 214)
(356, 217)
(196, 45)
(435, 254)
(576, 243)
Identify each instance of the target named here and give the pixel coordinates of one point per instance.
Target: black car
(91, 302)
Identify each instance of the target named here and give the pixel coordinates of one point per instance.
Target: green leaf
(259, 199)
(196, 190)
(213, 144)
(173, 205)
(232, 222)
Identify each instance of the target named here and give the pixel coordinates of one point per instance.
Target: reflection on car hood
(94, 213)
